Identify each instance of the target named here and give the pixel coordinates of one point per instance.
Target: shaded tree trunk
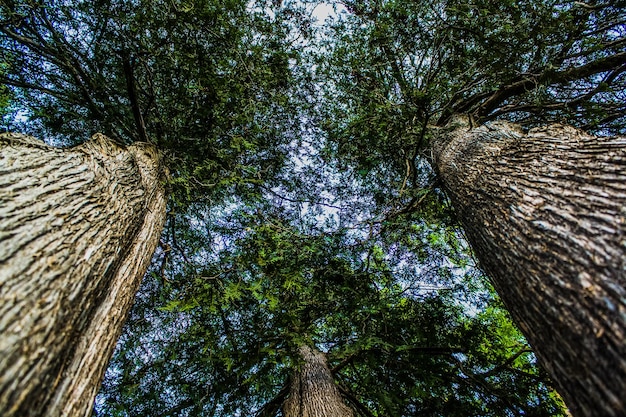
(77, 231)
(545, 213)
(313, 392)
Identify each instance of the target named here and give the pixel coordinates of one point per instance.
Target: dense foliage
(303, 207)
(208, 82)
(408, 327)
(393, 69)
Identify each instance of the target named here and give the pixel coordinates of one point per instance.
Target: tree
(78, 230)
(394, 76)
(313, 391)
(232, 324)
(207, 83)
(558, 194)
(196, 87)
(530, 203)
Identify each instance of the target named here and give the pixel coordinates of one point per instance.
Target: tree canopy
(303, 208)
(224, 338)
(208, 82)
(393, 68)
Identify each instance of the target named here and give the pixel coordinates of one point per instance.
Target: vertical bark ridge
(77, 230)
(313, 392)
(545, 213)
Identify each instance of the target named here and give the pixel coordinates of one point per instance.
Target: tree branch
(132, 95)
(437, 350)
(29, 86)
(528, 83)
(270, 409)
(506, 363)
(354, 401)
(572, 104)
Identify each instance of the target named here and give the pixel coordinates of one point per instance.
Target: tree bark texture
(545, 213)
(77, 231)
(313, 392)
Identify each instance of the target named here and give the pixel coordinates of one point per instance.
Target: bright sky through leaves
(303, 206)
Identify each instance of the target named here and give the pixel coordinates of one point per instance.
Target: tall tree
(78, 230)
(206, 82)
(530, 203)
(559, 194)
(244, 323)
(395, 74)
(200, 87)
(313, 392)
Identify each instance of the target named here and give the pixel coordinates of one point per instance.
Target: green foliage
(303, 206)
(210, 80)
(391, 69)
(257, 283)
(6, 97)
(5, 101)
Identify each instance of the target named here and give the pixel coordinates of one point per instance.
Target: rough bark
(545, 213)
(313, 392)
(77, 231)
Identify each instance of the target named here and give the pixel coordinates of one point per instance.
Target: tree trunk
(313, 392)
(77, 231)
(545, 213)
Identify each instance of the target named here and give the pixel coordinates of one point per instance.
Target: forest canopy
(303, 207)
